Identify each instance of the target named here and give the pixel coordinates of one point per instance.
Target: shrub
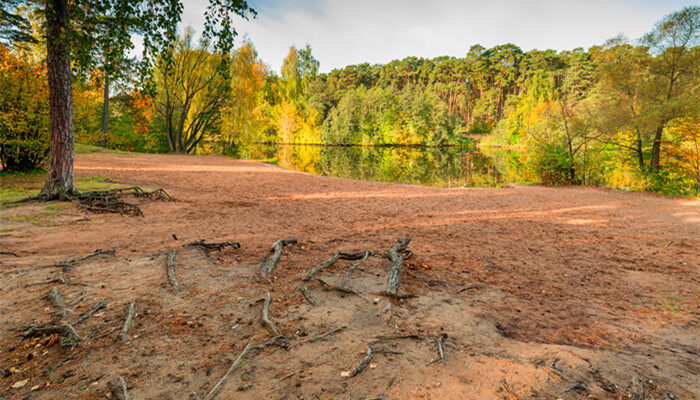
(24, 113)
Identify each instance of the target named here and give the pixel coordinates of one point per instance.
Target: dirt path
(537, 289)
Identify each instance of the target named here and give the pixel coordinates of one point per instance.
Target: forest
(620, 114)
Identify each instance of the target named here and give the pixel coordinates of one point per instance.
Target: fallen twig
(237, 363)
(269, 262)
(117, 387)
(265, 318)
(170, 270)
(124, 334)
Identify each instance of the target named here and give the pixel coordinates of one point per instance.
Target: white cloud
(343, 32)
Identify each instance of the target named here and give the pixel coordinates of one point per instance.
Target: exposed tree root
(234, 366)
(131, 312)
(107, 201)
(346, 277)
(69, 336)
(280, 341)
(68, 264)
(87, 314)
(55, 298)
(441, 353)
(305, 292)
(324, 336)
(117, 387)
(269, 262)
(265, 318)
(8, 253)
(369, 352)
(328, 286)
(170, 270)
(329, 263)
(392, 284)
(213, 246)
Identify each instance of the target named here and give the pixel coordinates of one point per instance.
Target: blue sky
(343, 32)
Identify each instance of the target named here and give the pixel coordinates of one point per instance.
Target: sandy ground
(535, 289)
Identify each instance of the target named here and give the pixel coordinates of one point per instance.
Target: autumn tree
(66, 21)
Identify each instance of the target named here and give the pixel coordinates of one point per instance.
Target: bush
(552, 164)
(24, 113)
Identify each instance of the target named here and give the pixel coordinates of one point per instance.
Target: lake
(464, 166)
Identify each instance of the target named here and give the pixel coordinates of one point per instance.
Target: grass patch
(87, 149)
(16, 186)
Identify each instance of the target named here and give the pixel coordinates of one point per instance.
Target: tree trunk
(105, 112)
(655, 161)
(59, 180)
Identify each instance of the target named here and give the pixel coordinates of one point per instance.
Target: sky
(344, 32)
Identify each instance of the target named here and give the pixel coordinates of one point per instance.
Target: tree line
(623, 113)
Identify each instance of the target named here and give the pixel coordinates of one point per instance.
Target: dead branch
(87, 314)
(170, 270)
(219, 385)
(392, 284)
(55, 298)
(441, 353)
(323, 336)
(344, 282)
(124, 334)
(342, 289)
(269, 262)
(69, 336)
(266, 315)
(117, 387)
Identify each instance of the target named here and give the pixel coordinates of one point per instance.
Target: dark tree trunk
(655, 161)
(105, 112)
(59, 180)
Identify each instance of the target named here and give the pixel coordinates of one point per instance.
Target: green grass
(16, 186)
(87, 149)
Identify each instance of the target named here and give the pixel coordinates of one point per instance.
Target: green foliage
(24, 111)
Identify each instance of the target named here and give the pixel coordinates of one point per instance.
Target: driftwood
(323, 336)
(265, 318)
(234, 366)
(170, 270)
(269, 262)
(117, 387)
(124, 334)
(369, 352)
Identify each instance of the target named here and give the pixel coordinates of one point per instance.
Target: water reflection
(445, 166)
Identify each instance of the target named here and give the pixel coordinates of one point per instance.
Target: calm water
(444, 166)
